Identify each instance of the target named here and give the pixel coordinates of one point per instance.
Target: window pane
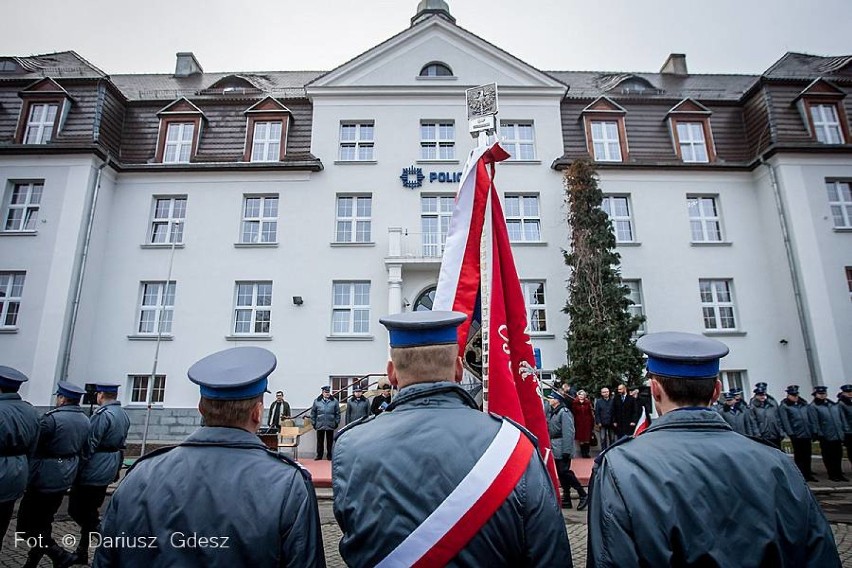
(344, 206)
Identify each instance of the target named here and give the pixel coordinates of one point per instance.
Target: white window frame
(40, 126)
(840, 203)
(178, 146)
(28, 207)
(261, 226)
(265, 142)
(740, 382)
(11, 292)
(255, 308)
(157, 302)
(348, 307)
(705, 226)
(434, 241)
(536, 311)
(172, 221)
(354, 225)
(691, 139)
(441, 142)
(522, 217)
(622, 225)
(714, 305)
(362, 144)
(826, 123)
(519, 149)
(140, 388)
(605, 147)
(637, 308)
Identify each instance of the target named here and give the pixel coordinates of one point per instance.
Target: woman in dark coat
(584, 421)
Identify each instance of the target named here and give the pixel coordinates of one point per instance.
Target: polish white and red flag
(642, 425)
(513, 389)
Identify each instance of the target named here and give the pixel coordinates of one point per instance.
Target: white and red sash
(449, 528)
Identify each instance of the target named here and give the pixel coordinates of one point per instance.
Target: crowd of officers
(42, 457)
(822, 420)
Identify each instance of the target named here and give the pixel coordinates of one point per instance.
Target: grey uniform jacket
(740, 420)
(357, 408)
(846, 415)
(325, 413)
(431, 436)
(101, 457)
(796, 421)
(827, 421)
(560, 426)
(62, 435)
(654, 501)
(765, 420)
(19, 426)
(222, 483)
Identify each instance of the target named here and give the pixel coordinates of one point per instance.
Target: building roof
(279, 84)
(64, 64)
(805, 66)
(591, 84)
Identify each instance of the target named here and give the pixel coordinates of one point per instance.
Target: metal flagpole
(149, 394)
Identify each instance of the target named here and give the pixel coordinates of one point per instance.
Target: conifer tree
(601, 349)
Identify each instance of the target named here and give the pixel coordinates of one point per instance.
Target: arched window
(424, 301)
(436, 70)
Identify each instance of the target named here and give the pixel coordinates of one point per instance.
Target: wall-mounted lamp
(783, 342)
(405, 302)
(298, 301)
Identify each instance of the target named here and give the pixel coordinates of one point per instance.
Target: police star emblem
(412, 177)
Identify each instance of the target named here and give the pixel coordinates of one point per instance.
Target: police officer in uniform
(828, 423)
(844, 402)
(18, 438)
(432, 437)
(654, 496)
(764, 417)
(560, 426)
(797, 424)
(62, 434)
(220, 498)
(769, 400)
(101, 461)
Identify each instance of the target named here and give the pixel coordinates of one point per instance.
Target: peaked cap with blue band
(106, 387)
(682, 355)
(69, 390)
(414, 329)
(11, 378)
(239, 373)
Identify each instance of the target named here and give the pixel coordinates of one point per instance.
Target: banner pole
(485, 258)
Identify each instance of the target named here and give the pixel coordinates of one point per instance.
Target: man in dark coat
(604, 418)
(100, 463)
(325, 416)
(433, 436)
(357, 406)
(279, 410)
(381, 400)
(19, 425)
(825, 416)
(654, 497)
(797, 424)
(624, 412)
(220, 498)
(63, 432)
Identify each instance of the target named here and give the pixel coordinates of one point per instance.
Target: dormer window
(266, 131)
(44, 106)
(606, 136)
(180, 129)
(689, 122)
(436, 69)
(821, 107)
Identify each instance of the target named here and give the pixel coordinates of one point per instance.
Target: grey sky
(722, 36)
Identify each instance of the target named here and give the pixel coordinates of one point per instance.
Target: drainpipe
(793, 263)
(81, 273)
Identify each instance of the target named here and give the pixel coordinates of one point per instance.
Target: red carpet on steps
(321, 470)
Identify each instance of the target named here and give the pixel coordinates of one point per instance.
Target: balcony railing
(403, 244)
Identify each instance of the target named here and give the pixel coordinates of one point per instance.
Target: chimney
(675, 65)
(187, 65)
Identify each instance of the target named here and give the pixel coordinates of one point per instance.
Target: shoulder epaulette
(620, 441)
(762, 441)
(157, 452)
(358, 422)
(290, 461)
